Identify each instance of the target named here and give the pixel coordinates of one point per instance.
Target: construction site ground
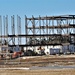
(36, 65)
(38, 72)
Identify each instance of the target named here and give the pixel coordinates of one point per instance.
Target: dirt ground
(40, 61)
(38, 72)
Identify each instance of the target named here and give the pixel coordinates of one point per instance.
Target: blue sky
(37, 7)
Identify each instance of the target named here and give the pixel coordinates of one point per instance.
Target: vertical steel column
(13, 29)
(40, 27)
(53, 30)
(19, 29)
(7, 27)
(26, 30)
(49, 26)
(1, 28)
(33, 25)
(43, 28)
(67, 28)
(53, 26)
(4, 26)
(74, 28)
(46, 25)
(19, 33)
(67, 33)
(57, 28)
(74, 24)
(47, 29)
(7, 35)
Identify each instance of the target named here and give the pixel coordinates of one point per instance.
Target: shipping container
(71, 48)
(54, 51)
(68, 48)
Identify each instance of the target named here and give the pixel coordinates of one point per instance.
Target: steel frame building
(57, 30)
(47, 31)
